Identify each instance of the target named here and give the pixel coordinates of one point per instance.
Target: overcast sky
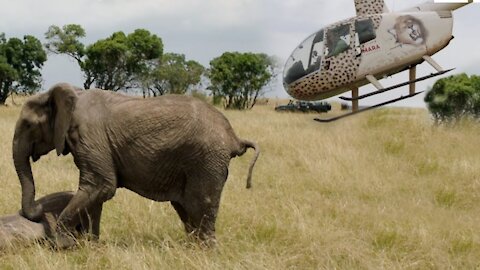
(204, 29)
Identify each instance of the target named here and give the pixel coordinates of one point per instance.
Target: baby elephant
(170, 148)
(15, 229)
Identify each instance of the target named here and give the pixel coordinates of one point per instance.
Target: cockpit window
(365, 30)
(306, 58)
(338, 40)
(316, 51)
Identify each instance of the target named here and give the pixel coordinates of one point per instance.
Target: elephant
(16, 229)
(172, 148)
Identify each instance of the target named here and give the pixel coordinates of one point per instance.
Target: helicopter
(361, 50)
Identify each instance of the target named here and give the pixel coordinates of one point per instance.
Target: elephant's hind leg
(201, 202)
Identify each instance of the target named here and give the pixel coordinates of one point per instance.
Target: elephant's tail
(250, 144)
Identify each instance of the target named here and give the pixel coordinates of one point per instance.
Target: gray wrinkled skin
(17, 230)
(169, 148)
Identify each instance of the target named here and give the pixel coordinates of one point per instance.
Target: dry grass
(382, 190)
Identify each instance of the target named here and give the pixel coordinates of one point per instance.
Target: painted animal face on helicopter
(409, 30)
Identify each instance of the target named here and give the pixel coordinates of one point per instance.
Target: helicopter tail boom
(429, 6)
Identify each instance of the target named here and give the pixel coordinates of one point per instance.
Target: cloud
(107, 14)
(205, 29)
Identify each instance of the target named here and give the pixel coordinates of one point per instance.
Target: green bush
(454, 97)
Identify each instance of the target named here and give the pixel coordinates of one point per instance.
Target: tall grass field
(386, 189)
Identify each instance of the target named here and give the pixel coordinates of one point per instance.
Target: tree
(66, 40)
(454, 97)
(173, 74)
(239, 78)
(20, 65)
(115, 63)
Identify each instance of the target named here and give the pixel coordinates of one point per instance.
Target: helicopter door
(338, 40)
(364, 32)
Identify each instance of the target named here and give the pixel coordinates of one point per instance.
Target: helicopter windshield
(305, 59)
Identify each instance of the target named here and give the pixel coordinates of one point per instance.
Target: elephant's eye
(27, 124)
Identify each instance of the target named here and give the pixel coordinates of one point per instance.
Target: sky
(203, 30)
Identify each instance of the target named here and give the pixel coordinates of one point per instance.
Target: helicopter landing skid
(366, 109)
(396, 86)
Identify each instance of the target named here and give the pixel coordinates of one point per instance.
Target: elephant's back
(167, 122)
(209, 133)
(180, 111)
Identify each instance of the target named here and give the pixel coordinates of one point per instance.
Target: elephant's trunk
(22, 150)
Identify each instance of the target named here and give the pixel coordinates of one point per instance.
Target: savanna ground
(385, 189)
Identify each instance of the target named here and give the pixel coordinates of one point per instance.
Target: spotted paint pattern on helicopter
(367, 7)
(341, 71)
(341, 56)
(336, 71)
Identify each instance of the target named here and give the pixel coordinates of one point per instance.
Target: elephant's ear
(62, 100)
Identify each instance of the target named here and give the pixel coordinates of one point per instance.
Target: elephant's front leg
(90, 222)
(88, 197)
(68, 219)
